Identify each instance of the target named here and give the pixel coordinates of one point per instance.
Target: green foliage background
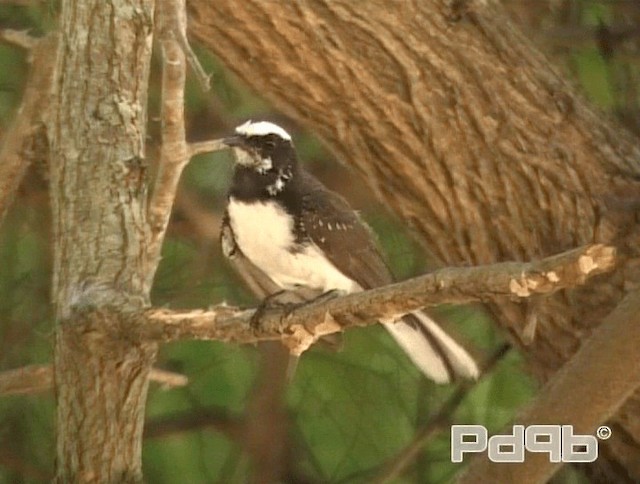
(351, 411)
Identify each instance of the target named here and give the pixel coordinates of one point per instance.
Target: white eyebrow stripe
(262, 128)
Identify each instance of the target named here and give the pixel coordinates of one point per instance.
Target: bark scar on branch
(454, 285)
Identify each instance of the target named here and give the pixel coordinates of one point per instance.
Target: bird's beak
(233, 141)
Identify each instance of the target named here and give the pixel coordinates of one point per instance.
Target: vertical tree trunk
(98, 189)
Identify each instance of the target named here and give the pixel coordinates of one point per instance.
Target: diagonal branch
(585, 392)
(202, 147)
(306, 323)
(396, 466)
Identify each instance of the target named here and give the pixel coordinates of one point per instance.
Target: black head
(264, 154)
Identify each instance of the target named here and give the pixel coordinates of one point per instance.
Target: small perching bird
(299, 234)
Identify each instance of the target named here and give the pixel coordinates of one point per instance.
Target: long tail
(432, 350)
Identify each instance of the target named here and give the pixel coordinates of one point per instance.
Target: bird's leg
(327, 296)
(294, 357)
(285, 299)
(288, 300)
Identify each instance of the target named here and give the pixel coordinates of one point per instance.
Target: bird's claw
(275, 301)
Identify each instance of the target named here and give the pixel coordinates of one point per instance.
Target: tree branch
(202, 147)
(303, 325)
(19, 38)
(26, 380)
(440, 420)
(33, 379)
(18, 146)
(174, 152)
(203, 78)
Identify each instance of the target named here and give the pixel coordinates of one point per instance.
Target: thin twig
(34, 379)
(168, 379)
(396, 466)
(202, 147)
(203, 78)
(26, 380)
(20, 38)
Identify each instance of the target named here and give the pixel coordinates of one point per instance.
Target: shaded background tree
(349, 412)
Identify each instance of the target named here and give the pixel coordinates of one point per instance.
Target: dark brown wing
(345, 239)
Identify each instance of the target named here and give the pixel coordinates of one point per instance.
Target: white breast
(264, 233)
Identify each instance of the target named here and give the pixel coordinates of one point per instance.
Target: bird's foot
(282, 300)
(288, 300)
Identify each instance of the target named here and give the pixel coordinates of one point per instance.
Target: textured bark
(468, 133)
(98, 190)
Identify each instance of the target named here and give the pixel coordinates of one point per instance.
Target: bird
(296, 233)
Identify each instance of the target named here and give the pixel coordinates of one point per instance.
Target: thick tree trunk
(98, 189)
(469, 134)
